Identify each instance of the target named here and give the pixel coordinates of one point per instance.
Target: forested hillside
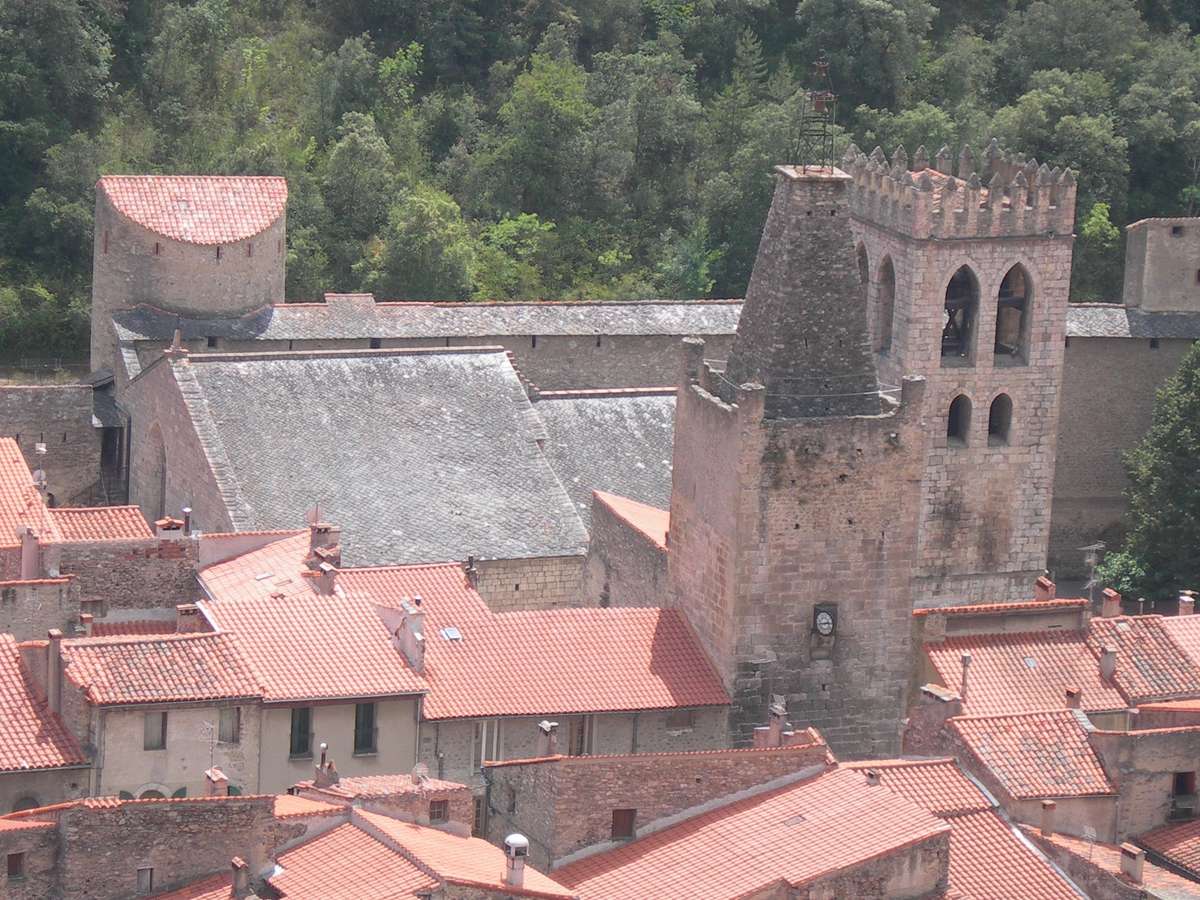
(557, 148)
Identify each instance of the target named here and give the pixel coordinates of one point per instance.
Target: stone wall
(42, 787)
(921, 870)
(539, 582)
(1093, 878)
(1107, 406)
(144, 574)
(565, 804)
(624, 567)
(60, 417)
(1143, 764)
(40, 846)
(1162, 265)
(28, 609)
(132, 265)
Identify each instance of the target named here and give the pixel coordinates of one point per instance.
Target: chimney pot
(1074, 698)
(86, 620)
(216, 783)
(187, 520)
(409, 635)
(1187, 603)
(54, 671)
(326, 578)
(241, 877)
(187, 618)
(516, 848)
(1049, 817)
(1108, 663)
(1044, 588)
(1132, 860)
(168, 528)
(872, 777)
(1110, 604)
(966, 665)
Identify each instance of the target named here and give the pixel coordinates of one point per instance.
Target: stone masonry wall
(1162, 259)
(59, 416)
(921, 870)
(624, 567)
(564, 804)
(148, 574)
(41, 788)
(985, 505)
(40, 846)
(28, 609)
(1107, 405)
(1143, 764)
(539, 582)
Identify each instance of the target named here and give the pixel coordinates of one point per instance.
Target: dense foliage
(556, 148)
(1159, 557)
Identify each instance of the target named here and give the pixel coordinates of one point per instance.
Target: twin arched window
(961, 315)
(958, 421)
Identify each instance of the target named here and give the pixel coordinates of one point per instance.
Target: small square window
(439, 811)
(212, 342)
(376, 343)
(230, 726)
(681, 720)
(1153, 343)
(154, 731)
(145, 879)
(1176, 231)
(622, 824)
(16, 865)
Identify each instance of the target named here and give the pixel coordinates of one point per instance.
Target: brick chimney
(1187, 603)
(168, 528)
(1044, 588)
(326, 579)
(30, 564)
(86, 621)
(1049, 817)
(1110, 603)
(409, 636)
(1132, 860)
(216, 783)
(188, 619)
(771, 734)
(326, 773)
(516, 848)
(1108, 663)
(241, 878)
(54, 671)
(966, 667)
(547, 743)
(1074, 698)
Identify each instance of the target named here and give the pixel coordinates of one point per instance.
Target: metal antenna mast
(813, 148)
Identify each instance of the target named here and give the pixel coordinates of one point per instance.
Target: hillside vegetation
(459, 149)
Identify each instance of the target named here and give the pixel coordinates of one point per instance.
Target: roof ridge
(1013, 715)
(342, 353)
(110, 640)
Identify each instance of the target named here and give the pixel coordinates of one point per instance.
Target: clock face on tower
(823, 621)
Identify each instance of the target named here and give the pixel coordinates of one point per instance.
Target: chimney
(54, 671)
(1187, 603)
(1074, 698)
(85, 624)
(1043, 588)
(1132, 860)
(872, 777)
(326, 578)
(187, 520)
(1049, 817)
(187, 618)
(516, 848)
(1110, 604)
(216, 783)
(1108, 663)
(241, 878)
(471, 572)
(966, 665)
(322, 536)
(326, 773)
(409, 636)
(176, 348)
(30, 568)
(168, 528)
(547, 744)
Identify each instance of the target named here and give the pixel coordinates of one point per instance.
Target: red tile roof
(1159, 881)
(215, 887)
(650, 521)
(1178, 844)
(534, 663)
(988, 861)
(288, 806)
(31, 737)
(354, 786)
(796, 834)
(1023, 606)
(1150, 664)
(1185, 630)
(1013, 673)
(21, 506)
(346, 864)
(1037, 754)
(172, 668)
(103, 523)
(133, 626)
(459, 860)
(198, 209)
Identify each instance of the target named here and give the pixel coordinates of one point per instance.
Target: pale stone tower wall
(774, 514)
(1162, 265)
(985, 502)
(132, 264)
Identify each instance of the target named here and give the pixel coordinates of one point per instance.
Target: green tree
(1158, 557)
(1096, 266)
(510, 259)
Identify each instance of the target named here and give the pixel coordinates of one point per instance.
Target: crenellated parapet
(1002, 195)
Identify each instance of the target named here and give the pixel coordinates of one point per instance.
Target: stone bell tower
(796, 486)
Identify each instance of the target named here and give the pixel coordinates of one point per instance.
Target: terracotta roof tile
(215, 887)
(288, 806)
(460, 860)
(21, 506)
(796, 834)
(31, 737)
(133, 626)
(565, 661)
(1013, 673)
(1185, 630)
(1159, 881)
(938, 785)
(1037, 754)
(158, 669)
(983, 609)
(651, 522)
(355, 786)
(198, 209)
(103, 523)
(346, 864)
(1150, 664)
(1178, 844)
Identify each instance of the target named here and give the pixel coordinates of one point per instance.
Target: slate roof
(1150, 664)
(1037, 754)
(1016, 673)
(988, 859)
(795, 834)
(1111, 320)
(564, 661)
(176, 668)
(31, 737)
(198, 209)
(426, 455)
(620, 443)
(360, 316)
